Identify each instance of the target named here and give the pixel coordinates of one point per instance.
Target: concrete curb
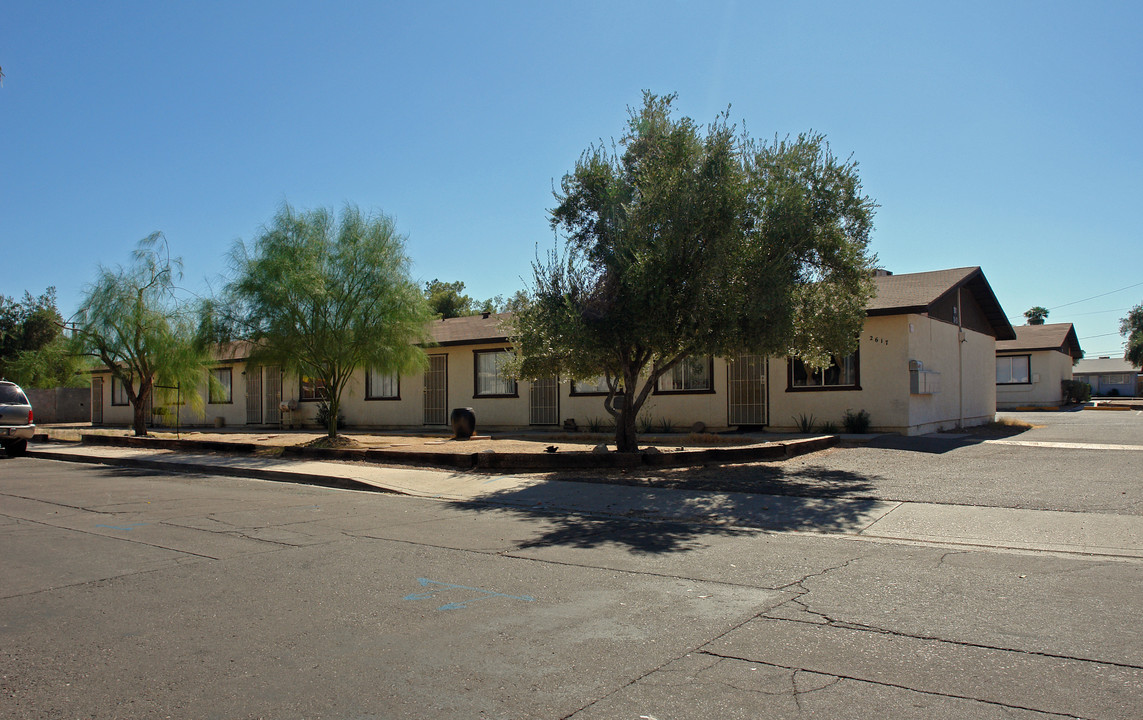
(291, 476)
(493, 460)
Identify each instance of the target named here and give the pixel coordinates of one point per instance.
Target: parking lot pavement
(1105, 427)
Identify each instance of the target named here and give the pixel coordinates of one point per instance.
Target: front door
(746, 390)
(544, 402)
(97, 401)
(253, 395)
(436, 390)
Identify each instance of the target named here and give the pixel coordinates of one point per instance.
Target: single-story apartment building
(926, 361)
(1108, 376)
(1030, 369)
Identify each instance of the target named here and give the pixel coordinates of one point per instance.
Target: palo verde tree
(132, 320)
(324, 295)
(1036, 315)
(683, 242)
(1132, 328)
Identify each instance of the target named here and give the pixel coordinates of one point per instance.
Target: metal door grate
(544, 402)
(272, 392)
(436, 390)
(97, 401)
(253, 395)
(746, 390)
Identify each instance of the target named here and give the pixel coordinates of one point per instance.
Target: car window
(11, 395)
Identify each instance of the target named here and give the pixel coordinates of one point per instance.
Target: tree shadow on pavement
(665, 512)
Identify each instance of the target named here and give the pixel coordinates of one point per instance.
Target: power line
(1093, 297)
(1090, 337)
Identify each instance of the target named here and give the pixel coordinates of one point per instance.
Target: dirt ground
(504, 443)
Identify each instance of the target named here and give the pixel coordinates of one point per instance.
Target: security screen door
(746, 390)
(436, 390)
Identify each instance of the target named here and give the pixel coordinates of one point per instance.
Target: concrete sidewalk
(1091, 534)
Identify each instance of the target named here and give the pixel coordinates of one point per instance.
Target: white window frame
(1006, 372)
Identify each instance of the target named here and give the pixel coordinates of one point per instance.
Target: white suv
(16, 427)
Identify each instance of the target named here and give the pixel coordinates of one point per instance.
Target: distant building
(1108, 376)
(1030, 370)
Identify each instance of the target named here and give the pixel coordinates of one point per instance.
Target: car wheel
(17, 448)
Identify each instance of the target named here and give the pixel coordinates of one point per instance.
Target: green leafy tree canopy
(1132, 327)
(133, 320)
(681, 241)
(34, 351)
(447, 300)
(324, 295)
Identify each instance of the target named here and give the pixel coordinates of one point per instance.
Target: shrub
(805, 423)
(322, 416)
(828, 427)
(856, 423)
(666, 425)
(646, 424)
(1076, 391)
(595, 424)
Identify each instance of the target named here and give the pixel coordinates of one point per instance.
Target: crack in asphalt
(800, 600)
(899, 686)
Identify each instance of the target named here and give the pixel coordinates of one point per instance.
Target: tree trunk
(625, 438)
(140, 416)
(331, 425)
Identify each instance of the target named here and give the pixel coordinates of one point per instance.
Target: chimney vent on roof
(881, 272)
(485, 315)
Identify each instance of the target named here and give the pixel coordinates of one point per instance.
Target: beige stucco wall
(882, 375)
(967, 364)
(967, 390)
(967, 394)
(232, 413)
(1048, 369)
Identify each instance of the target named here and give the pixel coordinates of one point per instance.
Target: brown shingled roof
(895, 294)
(1057, 336)
(471, 329)
(918, 292)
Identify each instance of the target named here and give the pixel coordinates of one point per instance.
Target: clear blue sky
(1004, 135)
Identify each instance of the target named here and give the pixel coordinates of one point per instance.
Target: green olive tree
(325, 295)
(682, 241)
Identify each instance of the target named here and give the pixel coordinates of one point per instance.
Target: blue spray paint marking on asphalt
(437, 586)
(126, 528)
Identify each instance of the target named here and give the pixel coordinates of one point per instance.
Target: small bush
(665, 425)
(1113, 392)
(595, 424)
(805, 423)
(1076, 391)
(645, 424)
(322, 416)
(828, 427)
(856, 423)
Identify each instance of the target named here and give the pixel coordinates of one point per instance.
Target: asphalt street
(131, 593)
